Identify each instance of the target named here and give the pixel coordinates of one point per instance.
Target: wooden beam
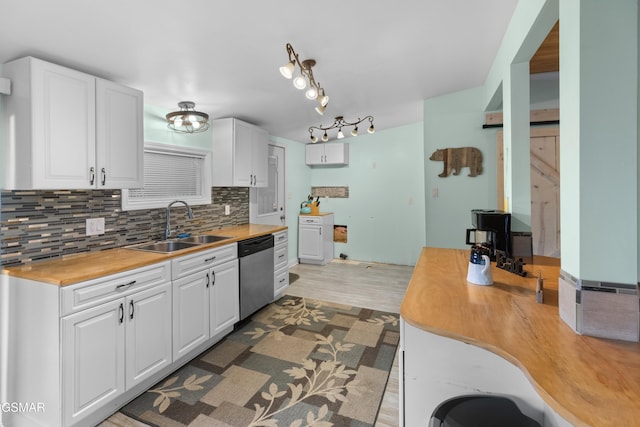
(546, 115)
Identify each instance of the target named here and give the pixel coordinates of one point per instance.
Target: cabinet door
(119, 137)
(224, 294)
(148, 333)
(260, 158)
(92, 359)
(314, 154)
(336, 153)
(64, 127)
(310, 242)
(190, 312)
(242, 161)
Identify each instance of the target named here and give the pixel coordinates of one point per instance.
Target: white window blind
(171, 173)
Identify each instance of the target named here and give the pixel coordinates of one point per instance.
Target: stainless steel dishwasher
(256, 274)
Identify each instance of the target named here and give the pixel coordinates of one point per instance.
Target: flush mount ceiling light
(315, 92)
(339, 123)
(188, 120)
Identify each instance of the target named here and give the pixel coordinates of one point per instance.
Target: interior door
(545, 188)
(267, 205)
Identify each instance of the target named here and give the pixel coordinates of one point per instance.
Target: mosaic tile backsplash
(36, 225)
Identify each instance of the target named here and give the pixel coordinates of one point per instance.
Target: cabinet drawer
(188, 264)
(280, 281)
(280, 257)
(87, 294)
(310, 220)
(280, 237)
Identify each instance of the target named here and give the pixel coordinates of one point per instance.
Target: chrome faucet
(167, 230)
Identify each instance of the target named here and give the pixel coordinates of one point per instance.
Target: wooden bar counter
(587, 381)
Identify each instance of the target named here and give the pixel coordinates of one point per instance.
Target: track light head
(287, 70)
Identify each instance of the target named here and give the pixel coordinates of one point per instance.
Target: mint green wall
(599, 140)
(455, 120)
(385, 209)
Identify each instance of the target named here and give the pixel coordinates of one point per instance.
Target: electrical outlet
(95, 226)
(227, 210)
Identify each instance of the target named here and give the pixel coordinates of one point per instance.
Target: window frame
(204, 198)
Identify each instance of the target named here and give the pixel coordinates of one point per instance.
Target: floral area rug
(298, 362)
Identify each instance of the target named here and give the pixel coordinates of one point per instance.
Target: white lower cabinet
(93, 359)
(112, 347)
(205, 297)
(148, 333)
(191, 313)
(280, 263)
(82, 351)
(315, 239)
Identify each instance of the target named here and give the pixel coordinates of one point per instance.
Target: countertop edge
(436, 283)
(556, 406)
(135, 258)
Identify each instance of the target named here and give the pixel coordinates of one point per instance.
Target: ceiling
(376, 58)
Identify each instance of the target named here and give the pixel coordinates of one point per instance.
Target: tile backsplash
(36, 225)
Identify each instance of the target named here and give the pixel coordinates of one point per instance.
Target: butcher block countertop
(91, 265)
(589, 381)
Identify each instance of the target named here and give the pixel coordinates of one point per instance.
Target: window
(171, 173)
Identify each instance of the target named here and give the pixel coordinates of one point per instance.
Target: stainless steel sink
(164, 247)
(204, 239)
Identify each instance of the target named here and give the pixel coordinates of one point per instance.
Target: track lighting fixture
(315, 91)
(339, 123)
(187, 120)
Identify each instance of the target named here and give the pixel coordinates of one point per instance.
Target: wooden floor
(362, 284)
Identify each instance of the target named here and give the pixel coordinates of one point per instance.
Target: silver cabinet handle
(131, 309)
(210, 259)
(92, 175)
(103, 173)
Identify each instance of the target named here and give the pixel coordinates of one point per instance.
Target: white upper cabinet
(336, 153)
(239, 153)
(119, 136)
(64, 129)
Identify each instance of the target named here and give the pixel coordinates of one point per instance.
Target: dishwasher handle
(257, 244)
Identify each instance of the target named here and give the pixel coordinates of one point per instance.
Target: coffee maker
(493, 233)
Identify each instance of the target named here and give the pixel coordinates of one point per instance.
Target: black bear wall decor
(456, 158)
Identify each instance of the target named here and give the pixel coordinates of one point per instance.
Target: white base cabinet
(64, 129)
(280, 263)
(315, 239)
(82, 351)
(206, 297)
(112, 347)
